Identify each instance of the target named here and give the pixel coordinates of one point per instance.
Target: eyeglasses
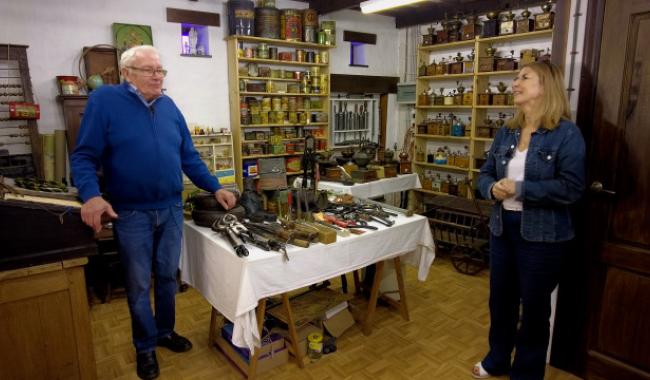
(149, 72)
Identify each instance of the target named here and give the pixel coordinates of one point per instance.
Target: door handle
(597, 187)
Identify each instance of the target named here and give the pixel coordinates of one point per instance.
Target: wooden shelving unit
(319, 129)
(216, 151)
(479, 81)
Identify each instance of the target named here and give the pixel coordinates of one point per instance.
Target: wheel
(468, 260)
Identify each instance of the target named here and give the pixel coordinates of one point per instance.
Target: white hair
(129, 56)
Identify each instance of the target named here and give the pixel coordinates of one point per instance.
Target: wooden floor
(447, 334)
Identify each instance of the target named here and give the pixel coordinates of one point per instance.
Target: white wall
(56, 31)
(380, 58)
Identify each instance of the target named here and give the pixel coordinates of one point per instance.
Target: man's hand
(92, 211)
(503, 189)
(225, 198)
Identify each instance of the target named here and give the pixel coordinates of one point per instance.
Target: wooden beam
(363, 84)
(328, 6)
(192, 17)
(366, 38)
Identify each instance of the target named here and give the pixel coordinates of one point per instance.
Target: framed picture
(128, 35)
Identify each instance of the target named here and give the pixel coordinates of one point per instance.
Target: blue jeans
(521, 272)
(150, 240)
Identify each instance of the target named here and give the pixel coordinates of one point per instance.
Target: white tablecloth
(234, 285)
(375, 188)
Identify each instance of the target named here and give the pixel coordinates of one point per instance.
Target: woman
(534, 171)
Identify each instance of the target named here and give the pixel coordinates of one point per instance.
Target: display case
(279, 93)
(458, 112)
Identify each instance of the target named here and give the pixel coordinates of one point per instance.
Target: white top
(234, 285)
(515, 171)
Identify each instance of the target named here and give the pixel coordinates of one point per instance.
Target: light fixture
(372, 6)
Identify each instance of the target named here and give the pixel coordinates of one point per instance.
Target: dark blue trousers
(149, 241)
(522, 274)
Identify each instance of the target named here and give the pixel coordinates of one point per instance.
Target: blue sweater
(141, 149)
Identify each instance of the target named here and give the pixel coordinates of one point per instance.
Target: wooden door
(618, 341)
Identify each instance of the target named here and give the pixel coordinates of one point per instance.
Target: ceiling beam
(328, 6)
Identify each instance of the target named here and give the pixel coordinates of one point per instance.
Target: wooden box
(499, 99)
(458, 99)
(467, 98)
(468, 66)
(390, 170)
(442, 36)
(507, 27)
(255, 87)
(441, 69)
(453, 37)
(438, 100)
(102, 61)
(456, 68)
(524, 26)
(432, 128)
(486, 64)
(422, 129)
(431, 69)
(506, 64)
(490, 28)
(428, 39)
(483, 131)
(528, 56)
(423, 100)
(426, 183)
(461, 161)
(544, 21)
(470, 31)
(484, 99)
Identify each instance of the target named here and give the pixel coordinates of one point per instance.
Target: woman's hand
(504, 188)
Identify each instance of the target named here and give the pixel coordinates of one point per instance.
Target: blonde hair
(555, 104)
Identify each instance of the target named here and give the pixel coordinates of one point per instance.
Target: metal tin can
(324, 57)
(310, 23)
(329, 28)
(310, 34)
(317, 58)
(267, 22)
(266, 104)
(309, 56)
(276, 104)
(284, 104)
(241, 16)
(273, 53)
(292, 104)
(321, 37)
(248, 52)
(263, 51)
(300, 55)
(291, 29)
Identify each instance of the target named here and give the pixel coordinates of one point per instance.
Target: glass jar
(315, 346)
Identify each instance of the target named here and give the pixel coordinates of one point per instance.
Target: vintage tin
(325, 57)
(300, 55)
(309, 56)
(291, 25)
(276, 104)
(263, 51)
(273, 53)
(310, 24)
(248, 52)
(329, 28)
(267, 22)
(285, 56)
(241, 16)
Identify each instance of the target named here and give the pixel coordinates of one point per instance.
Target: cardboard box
(339, 323)
(273, 353)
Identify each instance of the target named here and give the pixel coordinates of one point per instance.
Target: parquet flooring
(447, 334)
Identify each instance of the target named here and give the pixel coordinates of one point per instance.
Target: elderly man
(139, 138)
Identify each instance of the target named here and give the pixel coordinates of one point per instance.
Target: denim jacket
(554, 178)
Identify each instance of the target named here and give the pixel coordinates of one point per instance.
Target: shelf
(439, 137)
(484, 139)
(445, 167)
(446, 76)
(447, 46)
(284, 125)
(430, 192)
(352, 130)
(278, 62)
(276, 155)
(444, 107)
(266, 141)
(495, 73)
(212, 135)
(273, 41)
(244, 93)
(271, 79)
(208, 145)
(476, 170)
(494, 107)
(514, 37)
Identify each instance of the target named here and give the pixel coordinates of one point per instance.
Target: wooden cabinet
(46, 330)
(473, 109)
(272, 106)
(73, 108)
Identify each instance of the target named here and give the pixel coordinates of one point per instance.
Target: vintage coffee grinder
(544, 20)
